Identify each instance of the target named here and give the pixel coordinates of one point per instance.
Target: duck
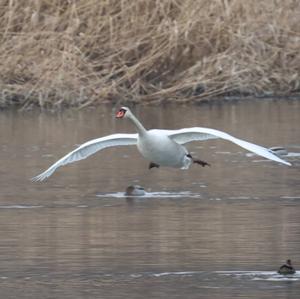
(279, 150)
(162, 148)
(287, 268)
(135, 190)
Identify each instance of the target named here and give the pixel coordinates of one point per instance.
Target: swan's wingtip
(285, 162)
(35, 179)
(38, 178)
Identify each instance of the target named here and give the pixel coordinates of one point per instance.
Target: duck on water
(287, 268)
(135, 190)
(159, 147)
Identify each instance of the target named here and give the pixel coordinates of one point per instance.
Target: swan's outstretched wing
(192, 134)
(88, 149)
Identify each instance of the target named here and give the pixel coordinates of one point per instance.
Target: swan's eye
(121, 113)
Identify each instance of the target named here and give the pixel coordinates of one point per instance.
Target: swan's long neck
(140, 128)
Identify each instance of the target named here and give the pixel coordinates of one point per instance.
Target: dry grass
(80, 52)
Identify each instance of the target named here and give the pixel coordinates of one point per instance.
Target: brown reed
(81, 52)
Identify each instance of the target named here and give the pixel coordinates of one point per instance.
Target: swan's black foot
(152, 165)
(197, 161)
(202, 163)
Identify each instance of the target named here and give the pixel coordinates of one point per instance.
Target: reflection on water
(217, 232)
(185, 194)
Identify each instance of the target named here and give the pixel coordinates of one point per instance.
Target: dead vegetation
(80, 52)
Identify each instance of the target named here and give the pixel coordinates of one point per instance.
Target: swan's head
(123, 112)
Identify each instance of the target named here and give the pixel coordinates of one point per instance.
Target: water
(218, 232)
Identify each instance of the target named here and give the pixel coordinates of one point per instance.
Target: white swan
(160, 147)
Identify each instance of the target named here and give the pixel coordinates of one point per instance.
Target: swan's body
(160, 147)
(156, 147)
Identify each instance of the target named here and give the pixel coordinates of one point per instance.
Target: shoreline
(19, 106)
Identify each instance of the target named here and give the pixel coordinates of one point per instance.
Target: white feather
(183, 136)
(87, 149)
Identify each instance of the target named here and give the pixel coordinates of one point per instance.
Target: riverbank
(90, 52)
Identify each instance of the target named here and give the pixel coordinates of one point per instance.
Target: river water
(213, 232)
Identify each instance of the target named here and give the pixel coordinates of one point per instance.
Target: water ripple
(153, 195)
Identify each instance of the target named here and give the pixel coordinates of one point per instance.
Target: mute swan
(287, 268)
(160, 147)
(134, 190)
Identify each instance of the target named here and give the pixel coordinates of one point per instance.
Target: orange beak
(120, 114)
